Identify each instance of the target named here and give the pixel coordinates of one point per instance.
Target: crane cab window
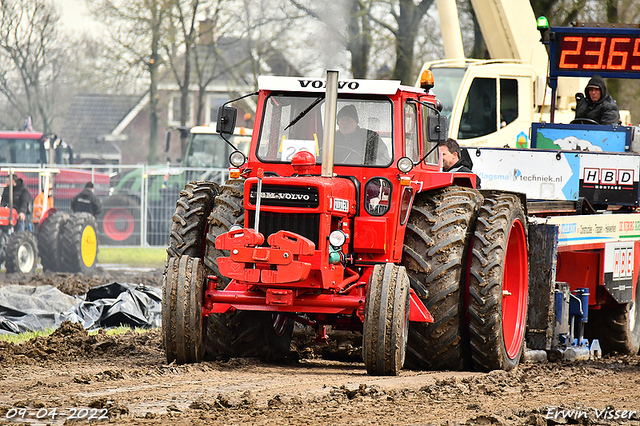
(479, 116)
(508, 101)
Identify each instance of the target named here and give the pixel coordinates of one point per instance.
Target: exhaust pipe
(329, 137)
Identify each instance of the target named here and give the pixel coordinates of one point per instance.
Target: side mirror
(437, 128)
(167, 140)
(226, 119)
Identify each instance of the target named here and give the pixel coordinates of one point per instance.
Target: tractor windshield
(292, 123)
(21, 151)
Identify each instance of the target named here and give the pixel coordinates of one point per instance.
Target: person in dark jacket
(596, 104)
(451, 155)
(21, 202)
(355, 145)
(453, 160)
(86, 201)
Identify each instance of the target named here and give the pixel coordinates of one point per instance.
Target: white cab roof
(307, 84)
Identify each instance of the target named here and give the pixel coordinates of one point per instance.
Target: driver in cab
(596, 104)
(355, 145)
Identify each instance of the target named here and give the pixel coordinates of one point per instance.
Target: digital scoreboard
(583, 52)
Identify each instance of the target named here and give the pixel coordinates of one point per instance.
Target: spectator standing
(21, 202)
(86, 201)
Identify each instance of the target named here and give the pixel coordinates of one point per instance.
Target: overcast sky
(75, 16)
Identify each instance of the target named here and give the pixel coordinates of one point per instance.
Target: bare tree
(31, 59)
(181, 43)
(136, 27)
(354, 34)
(407, 16)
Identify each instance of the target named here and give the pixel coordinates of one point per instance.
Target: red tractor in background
(365, 233)
(35, 149)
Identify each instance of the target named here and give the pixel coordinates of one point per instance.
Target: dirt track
(126, 378)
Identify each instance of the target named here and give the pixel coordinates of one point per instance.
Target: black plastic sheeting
(29, 308)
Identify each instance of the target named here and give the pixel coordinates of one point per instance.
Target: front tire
(182, 322)
(435, 248)
(386, 320)
(498, 284)
(21, 253)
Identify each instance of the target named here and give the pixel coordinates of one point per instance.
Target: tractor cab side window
(428, 147)
(479, 116)
(412, 150)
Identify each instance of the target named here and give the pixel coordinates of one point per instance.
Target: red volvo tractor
(359, 230)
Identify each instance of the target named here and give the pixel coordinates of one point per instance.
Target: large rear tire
(21, 253)
(182, 324)
(120, 221)
(498, 284)
(227, 211)
(617, 328)
(189, 227)
(241, 334)
(435, 248)
(49, 241)
(79, 244)
(386, 320)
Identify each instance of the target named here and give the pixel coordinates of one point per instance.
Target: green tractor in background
(155, 189)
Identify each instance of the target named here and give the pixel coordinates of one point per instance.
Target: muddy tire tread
(188, 230)
(227, 210)
(17, 240)
(386, 315)
(486, 281)
(49, 241)
(245, 334)
(71, 243)
(435, 248)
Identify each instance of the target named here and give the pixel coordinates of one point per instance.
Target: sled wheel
(227, 211)
(121, 221)
(386, 320)
(617, 328)
(79, 243)
(242, 334)
(189, 226)
(498, 284)
(436, 243)
(49, 241)
(182, 322)
(21, 253)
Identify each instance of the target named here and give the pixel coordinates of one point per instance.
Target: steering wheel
(584, 121)
(349, 152)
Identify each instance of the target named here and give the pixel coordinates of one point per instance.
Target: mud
(127, 379)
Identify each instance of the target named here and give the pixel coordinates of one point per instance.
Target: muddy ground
(125, 380)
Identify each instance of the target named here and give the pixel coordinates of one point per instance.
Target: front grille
(307, 225)
(286, 196)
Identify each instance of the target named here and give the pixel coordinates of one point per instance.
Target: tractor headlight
(337, 238)
(237, 158)
(405, 164)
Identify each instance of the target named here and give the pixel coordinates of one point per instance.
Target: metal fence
(138, 201)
